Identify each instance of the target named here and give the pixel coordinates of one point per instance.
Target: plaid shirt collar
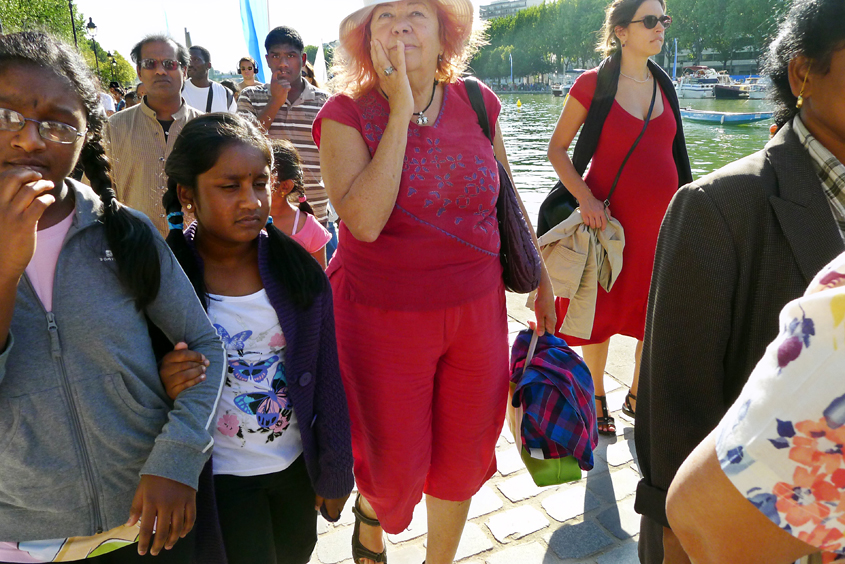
(831, 172)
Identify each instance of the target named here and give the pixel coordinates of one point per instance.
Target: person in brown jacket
(734, 248)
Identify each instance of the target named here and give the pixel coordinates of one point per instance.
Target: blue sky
(214, 24)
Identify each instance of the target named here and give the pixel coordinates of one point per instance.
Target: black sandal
(360, 551)
(629, 409)
(605, 419)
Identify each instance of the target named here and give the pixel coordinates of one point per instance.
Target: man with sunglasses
(140, 138)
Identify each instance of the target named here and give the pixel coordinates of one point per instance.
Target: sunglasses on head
(152, 64)
(651, 21)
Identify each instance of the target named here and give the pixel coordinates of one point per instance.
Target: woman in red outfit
(633, 31)
(419, 298)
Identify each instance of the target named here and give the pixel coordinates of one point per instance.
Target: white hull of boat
(692, 92)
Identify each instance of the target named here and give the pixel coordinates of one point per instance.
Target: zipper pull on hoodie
(53, 329)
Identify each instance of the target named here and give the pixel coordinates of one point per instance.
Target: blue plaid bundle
(556, 395)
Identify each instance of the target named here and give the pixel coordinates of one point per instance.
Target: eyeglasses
(166, 64)
(651, 21)
(54, 131)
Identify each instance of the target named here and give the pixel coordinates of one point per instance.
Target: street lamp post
(91, 30)
(72, 23)
(113, 64)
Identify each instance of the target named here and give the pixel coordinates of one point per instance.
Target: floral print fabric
(782, 443)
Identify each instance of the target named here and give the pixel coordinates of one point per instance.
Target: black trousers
(268, 519)
(650, 547)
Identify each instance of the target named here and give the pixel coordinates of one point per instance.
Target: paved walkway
(512, 521)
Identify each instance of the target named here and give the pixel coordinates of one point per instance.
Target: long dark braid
(131, 241)
(179, 245)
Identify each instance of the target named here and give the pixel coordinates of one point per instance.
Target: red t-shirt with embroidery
(440, 246)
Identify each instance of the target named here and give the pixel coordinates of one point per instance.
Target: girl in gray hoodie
(93, 453)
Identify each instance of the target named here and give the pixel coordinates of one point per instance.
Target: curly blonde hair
(355, 75)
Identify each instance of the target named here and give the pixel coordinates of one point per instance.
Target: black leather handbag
(521, 266)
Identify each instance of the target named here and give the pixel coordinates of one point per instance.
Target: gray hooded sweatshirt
(83, 412)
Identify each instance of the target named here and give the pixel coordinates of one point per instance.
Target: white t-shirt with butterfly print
(255, 431)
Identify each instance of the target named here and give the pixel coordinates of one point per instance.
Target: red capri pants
(427, 393)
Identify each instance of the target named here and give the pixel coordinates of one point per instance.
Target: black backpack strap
(477, 101)
(229, 97)
(607, 81)
(210, 97)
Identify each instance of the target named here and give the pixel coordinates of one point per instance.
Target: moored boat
(697, 82)
(724, 118)
(569, 78)
(729, 92)
(756, 87)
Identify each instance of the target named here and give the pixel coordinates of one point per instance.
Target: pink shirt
(440, 246)
(312, 236)
(42, 268)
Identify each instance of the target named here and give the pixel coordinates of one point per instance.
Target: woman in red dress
(633, 31)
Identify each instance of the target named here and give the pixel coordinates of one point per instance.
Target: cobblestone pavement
(512, 521)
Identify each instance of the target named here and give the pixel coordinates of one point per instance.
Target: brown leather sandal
(604, 419)
(360, 551)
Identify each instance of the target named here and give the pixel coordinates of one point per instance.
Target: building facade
(505, 8)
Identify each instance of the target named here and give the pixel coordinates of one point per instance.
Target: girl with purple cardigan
(282, 440)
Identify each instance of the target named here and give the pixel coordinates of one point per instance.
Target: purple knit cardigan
(313, 377)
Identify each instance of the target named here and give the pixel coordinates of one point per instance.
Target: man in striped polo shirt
(287, 106)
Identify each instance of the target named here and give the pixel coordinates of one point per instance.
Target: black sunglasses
(651, 21)
(152, 64)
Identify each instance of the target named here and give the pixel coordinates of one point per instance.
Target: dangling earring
(189, 207)
(440, 58)
(800, 101)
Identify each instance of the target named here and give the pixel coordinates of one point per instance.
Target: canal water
(527, 131)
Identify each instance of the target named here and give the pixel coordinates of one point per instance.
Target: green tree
(47, 15)
(564, 33)
(724, 25)
(328, 53)
(122, 71)
(53, 16)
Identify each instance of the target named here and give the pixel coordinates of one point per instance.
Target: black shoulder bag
(521, 266)
(560, 203)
